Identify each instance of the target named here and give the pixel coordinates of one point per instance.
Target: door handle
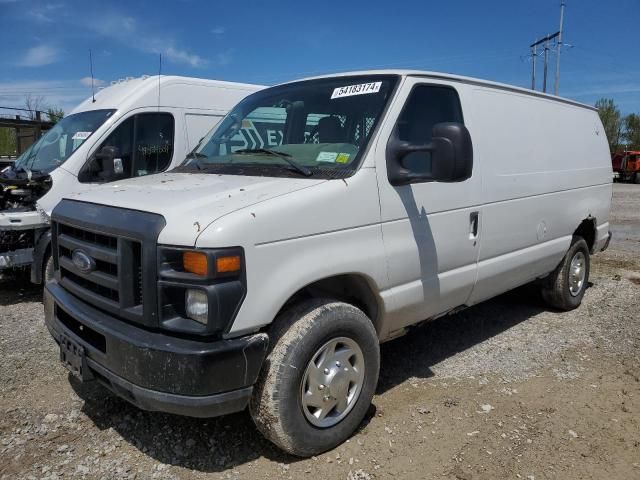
(473, 225)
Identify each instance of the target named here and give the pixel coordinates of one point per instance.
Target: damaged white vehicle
(134, 127)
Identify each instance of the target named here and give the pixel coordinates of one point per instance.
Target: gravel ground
(506, 389)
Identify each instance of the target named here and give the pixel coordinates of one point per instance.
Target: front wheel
(48, 270)
(318, 380)
(565, 286)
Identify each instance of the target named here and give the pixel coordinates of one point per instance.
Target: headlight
(197, 305)
(200, 290)
(197, 262)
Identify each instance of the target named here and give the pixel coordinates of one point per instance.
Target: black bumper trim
(153, 363)
(154, 401)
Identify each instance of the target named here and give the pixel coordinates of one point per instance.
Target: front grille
(115, 284)
(122, 248)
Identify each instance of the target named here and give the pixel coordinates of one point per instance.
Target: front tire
(565, 286)
(319, 378)
(48, 270)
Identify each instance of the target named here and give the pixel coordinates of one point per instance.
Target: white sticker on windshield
(81, 135)
(360, 89)
(327, 157)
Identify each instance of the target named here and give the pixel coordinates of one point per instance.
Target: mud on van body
(266, 276)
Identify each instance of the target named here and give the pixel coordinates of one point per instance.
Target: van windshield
(314, 128)
(55, 146)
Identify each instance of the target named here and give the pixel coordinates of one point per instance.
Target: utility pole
(544, 40)
(546, 64)
(534, 58)
(557, 84)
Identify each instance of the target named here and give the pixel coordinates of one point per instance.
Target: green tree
(612, 121)
(632, 131)
(55, 114)
(7, 141)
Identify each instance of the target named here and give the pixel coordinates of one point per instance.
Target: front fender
(40, 253)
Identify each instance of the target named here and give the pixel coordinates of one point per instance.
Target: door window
(142, 145)
(426, 106)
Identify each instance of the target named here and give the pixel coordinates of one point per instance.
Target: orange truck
(626, 166)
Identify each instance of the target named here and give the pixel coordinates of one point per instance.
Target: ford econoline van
(135, 127)
(318, 219)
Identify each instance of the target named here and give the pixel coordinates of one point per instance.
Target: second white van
(132, 128)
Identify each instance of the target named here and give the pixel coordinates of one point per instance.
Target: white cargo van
(266, 273)
(132, 128)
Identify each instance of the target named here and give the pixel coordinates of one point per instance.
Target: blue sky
(45, 43)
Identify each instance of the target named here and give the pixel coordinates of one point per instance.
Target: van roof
(135, 89)
(456, 78)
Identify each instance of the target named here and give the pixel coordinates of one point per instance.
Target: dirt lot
(504, 390)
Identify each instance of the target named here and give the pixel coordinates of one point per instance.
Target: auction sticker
(342, 158)
(360, 89)
(81, 135)
(326, 157)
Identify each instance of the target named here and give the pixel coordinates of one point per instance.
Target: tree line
(623, 132)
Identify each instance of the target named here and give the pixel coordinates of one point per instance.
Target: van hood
(190, 202)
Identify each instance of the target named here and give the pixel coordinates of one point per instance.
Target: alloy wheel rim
(332, 382)
(577, 273)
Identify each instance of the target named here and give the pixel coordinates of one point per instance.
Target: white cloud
(128, 31)
(224, 58)
(65, 94)
(182, 56)
(113, 25)
(40, 56)
(125, 30)
(86, 81)
(45, 13)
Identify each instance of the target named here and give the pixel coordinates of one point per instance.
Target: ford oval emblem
(83, 262)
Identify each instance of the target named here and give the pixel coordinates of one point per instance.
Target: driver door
(431, 230)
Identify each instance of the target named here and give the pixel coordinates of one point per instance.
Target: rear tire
(564, 288)
(322, 351)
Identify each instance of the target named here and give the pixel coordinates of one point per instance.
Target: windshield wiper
(196, 156)
(284, 156)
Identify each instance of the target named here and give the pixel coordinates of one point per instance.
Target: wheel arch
(353, 288)
(41, 252)
(588, 230)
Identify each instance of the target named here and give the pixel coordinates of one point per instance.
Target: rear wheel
(319, 378)
(565, 286)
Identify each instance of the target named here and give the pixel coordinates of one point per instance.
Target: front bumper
(156, 371)
(21, 257)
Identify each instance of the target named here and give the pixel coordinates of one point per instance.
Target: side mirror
(451, 156)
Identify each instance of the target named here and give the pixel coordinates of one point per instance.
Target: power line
(546, 43)
(22, 109)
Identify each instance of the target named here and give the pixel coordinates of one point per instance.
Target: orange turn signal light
(228, 264)
(195, 262)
